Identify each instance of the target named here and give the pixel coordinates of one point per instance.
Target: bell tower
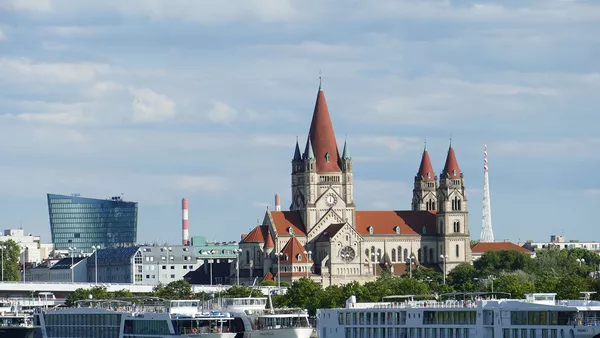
(452, 215)
(321, 178)
(425, 188)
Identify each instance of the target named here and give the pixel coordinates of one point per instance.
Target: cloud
(27, 5)
(66, 118)
(149, 106)
(24, 69)
(568, 147)
(222, 113)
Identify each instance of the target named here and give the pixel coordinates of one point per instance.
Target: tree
(570, 287)
(461, 278)
(97, 292)
(179, 289)
(122, 294)
(305, 294)
(513, 283)
(11, 255)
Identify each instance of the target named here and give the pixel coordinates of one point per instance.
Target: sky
(160, 100)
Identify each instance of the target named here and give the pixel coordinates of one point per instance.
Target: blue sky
(161, 100)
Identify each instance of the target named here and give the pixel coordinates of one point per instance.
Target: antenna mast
(487, 234)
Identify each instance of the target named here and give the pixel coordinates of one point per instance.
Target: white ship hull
(303, 332)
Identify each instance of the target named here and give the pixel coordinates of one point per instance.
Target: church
(325, 238)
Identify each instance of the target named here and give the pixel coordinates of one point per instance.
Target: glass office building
(78, 222)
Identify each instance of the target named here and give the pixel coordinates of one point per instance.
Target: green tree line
(565, 272)
(10, 258)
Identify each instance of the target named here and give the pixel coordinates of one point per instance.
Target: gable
(283, 221)
(385, 222)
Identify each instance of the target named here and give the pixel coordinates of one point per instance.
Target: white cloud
(200, 183)
(24, 69)
(149, 106)
(65, 118)
(27, 5)
(222, 113)
(567, 147)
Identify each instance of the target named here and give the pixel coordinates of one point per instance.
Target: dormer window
(299, 257)
(453, 171)
(327, 157)
(424, 230)
(291, 231)
(397, 229)
(370, 229)
(428, 175)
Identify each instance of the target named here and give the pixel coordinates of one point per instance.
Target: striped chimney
(184, 221)
(277, 203)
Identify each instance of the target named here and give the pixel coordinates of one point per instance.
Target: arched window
(457, 226)
(367, 253)
(419, 256)
(405, 254)
(431, 255)
(393, 255)
(399, 254)
(378, 255)
(459, 207)
(425, 255)
(432, 205)
(457, 251)
(441, 227)
(247, 256)
(372, 254)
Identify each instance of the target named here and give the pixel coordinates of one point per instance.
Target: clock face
(347, 254)
(330, 200)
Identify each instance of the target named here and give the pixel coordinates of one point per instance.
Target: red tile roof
(269, 276)
(385, 222)
(257, 235)
(269, 242)
(285, 219)
(322, 137)
(426, 169)
(291, 250)
(451, 168)
(482, 247)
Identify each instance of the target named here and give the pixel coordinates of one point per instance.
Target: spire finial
(425, 149)
(450, 140)
(320, 81)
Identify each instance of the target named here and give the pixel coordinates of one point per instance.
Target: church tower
(425, 190)
(321, 178)
(452, 216)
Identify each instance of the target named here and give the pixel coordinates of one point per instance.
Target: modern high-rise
(80, 223)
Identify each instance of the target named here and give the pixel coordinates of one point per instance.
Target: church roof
(269, 276)
(322, 137)
(330, 232)
(426, 169)
(451, 169)
(284, 220)
(384, 222)
(482, 247)
(293, 252)
(269, 241)
(257, 235)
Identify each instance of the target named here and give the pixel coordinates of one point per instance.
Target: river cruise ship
(262, 321)
(467, 315)
(134, 318)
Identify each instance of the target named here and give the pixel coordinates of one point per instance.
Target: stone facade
(325, 238)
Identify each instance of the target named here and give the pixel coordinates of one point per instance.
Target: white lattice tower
(487, 234)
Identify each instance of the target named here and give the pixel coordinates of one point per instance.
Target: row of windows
(372, 318)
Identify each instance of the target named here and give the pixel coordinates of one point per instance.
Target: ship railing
(413, 304)
(577, 302)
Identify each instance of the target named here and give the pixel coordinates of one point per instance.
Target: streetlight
(95, 252)
(444, 258)
(278, 257)
(3, 247)
(409, 260)
(72, 251)
(580, 260)
(211, 252)
(307, 254)
(238, 253)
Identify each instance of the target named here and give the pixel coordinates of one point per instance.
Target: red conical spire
(322, 137)
(426, 169)
(451, 169)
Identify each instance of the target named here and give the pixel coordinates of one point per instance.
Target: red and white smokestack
(277, 203)
(184, 221)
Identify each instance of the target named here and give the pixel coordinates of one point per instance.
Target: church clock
(347, 254)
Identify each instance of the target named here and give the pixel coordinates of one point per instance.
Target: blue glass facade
(82, 222)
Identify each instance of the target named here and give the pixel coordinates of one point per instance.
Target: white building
(34, 250)
(559, 242)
